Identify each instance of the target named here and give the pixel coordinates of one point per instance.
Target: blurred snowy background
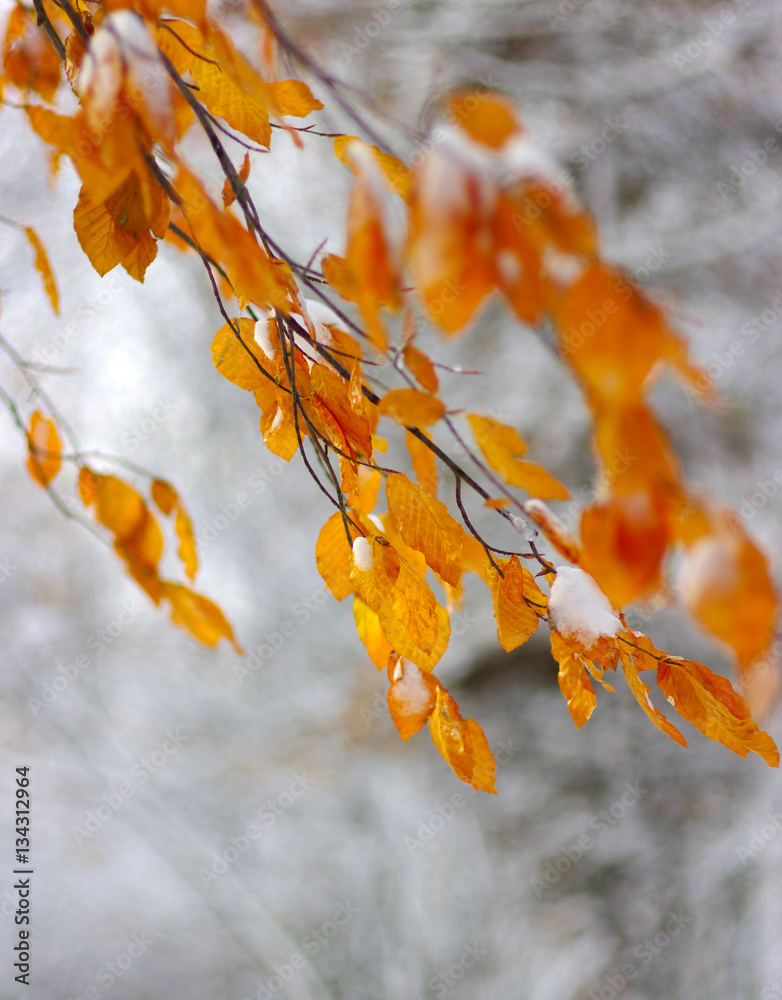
(611, 862)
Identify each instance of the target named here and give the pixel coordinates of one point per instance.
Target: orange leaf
(624, 541)
(199, 616)
(502, 446)
(45, 446)
(462, 743)
(711, 705)
(29, 61)
(45, 269)
(610, 334)
(641, 694)
(426, 526)
(554, 530)
(573, 680)
(498, 503)
(117, 231)
(244, 172)
(725, 583)
(254, 276)
(410, 407)
(412, 698)
(516, 619)
(450, 245)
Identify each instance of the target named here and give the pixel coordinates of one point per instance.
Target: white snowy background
(304, 747)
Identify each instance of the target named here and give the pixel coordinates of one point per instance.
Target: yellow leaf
(45, 446)
(573, 680)
(711, 705)
(164, 495)
(488, 118)
(241, 361)
(222, 97)
(502, 446)
(254, 276)
(292, 97)
(422, 368)
(518, 602)
(426, 525)
(410, 407)
(120, 508)
(45, 269)
(333, 556)
(398, 176)
(199, 616)
(364, 497)
(462, 743)
(183, 527)
(371, 634)
(423, 461)
(412, 697)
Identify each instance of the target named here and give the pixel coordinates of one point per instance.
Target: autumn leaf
(502, 446)
(412, 697)
(712, 706)
(254, 275)
(333, 556)
(228, 192)
(371, 634)
(45, 446)
(423, 461)
(421, 367)
(624, 539)
(410, 407)
(462, 743)
(594, 317)
(398, 176)
(488, 117)
(370, 272)
(123, 228)
(725, 584)
(426, 525)
(45, 269)
(199, 616)
(573, 680)
(238, 358)
(412, 620)
(164, 496)
(554, 530)
(29, 61)
(641, 695)
(518, 602)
